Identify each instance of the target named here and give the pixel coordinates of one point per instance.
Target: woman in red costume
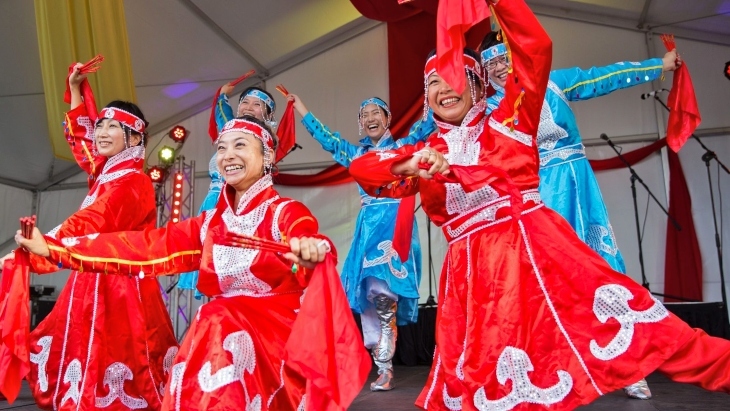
(235, 354)
(529, 316)
(108, 342)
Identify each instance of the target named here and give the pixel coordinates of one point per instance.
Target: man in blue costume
(567, 182)
(380, 287)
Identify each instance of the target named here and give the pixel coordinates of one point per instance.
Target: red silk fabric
(685, 115)
(14, 324)
(332, 359)
(682, 260)
(286, 132)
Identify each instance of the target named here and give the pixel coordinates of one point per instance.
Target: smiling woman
(256, 252)
(86, 339)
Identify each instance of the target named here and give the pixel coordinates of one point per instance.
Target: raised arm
(579, 84)
(79, 130)
(530, 51)
(222, 109)
(342, 150)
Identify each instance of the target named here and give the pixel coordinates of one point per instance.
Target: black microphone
(608, 140)
(652, 93)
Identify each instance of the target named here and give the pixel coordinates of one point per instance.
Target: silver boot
(639, 390)
(384, 382)
(384, 351)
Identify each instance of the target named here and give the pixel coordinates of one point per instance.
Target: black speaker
(42, 307)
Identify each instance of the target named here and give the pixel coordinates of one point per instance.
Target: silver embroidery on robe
(167, 365)
(233, 264)
(548, 131)
(387, 258)
(178, 370)
(114, 378)
(452, 403)
(72, 376)
(41, 360)
(597, 236)
(513, 364)
(241, 347)
(612, 301)
(516, 135)
(463, 146)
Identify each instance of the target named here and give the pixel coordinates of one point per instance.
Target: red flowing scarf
(14, 324)
(685, 115)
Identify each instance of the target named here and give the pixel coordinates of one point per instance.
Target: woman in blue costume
(253, 101)
(380, 287)
(567, 182)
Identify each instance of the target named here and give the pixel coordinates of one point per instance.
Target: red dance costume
(235, 354)
(529, 316)
(105, 343)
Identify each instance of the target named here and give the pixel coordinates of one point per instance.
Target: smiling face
(373, 120)
(240, 159)
(109, 136)
(253, 106)
(497, 70)
(446, 103)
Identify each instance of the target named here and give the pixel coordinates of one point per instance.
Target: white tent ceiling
(183, 50)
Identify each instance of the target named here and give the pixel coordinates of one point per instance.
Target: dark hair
(246, 91)
(134, 109)
(490, 40)
(263, 125)
(471, 53)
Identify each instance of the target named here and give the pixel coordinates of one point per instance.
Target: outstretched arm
(172, 249)
(579, 84)
(342, 150)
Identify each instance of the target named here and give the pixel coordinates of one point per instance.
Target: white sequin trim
(553, 311)
(516, 135)
(612, 301)
(243, 352)
(514, 364)
(114, 378)
(387, 258)
(41, 360)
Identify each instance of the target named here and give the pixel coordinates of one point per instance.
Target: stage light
(177, 194)
(178, 134)
(166, 155)
(157, 174)
(727, 70)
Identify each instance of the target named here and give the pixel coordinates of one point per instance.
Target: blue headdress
(378, 102)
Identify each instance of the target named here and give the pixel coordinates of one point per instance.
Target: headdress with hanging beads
(382, 105)
(470, 64)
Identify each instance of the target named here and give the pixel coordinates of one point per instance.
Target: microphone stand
(707, 157)
(431, 300)
(634, 178)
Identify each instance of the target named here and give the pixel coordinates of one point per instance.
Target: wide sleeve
(342, 150)
(372, 172)
(579, 84)
(223, 111)
(128, 203)
(79, 132)
(530, 47)
(172, 249)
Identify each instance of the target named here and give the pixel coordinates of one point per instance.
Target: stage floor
(668, 396)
